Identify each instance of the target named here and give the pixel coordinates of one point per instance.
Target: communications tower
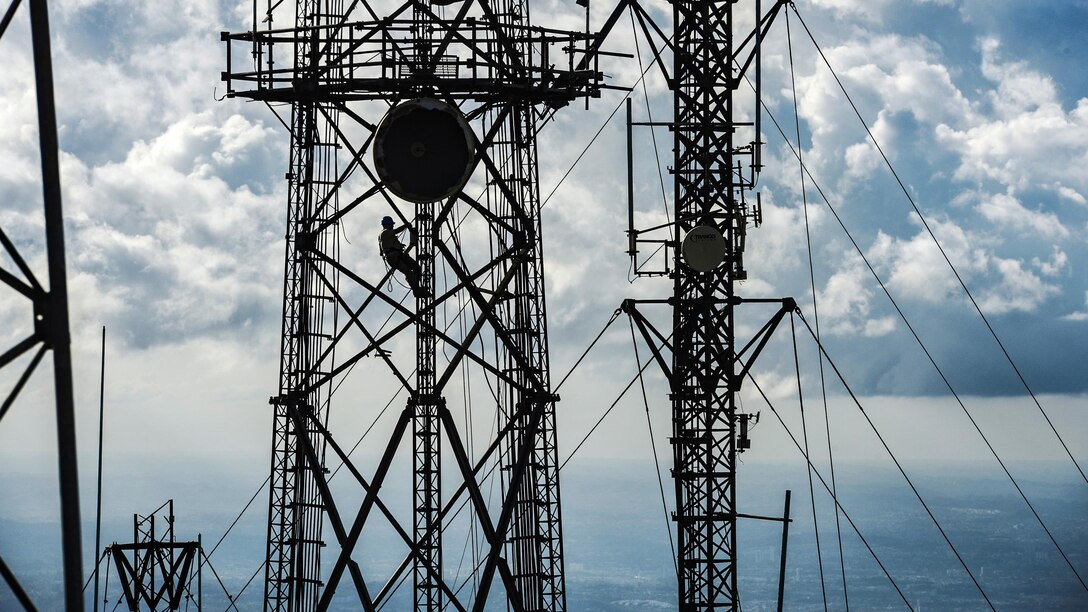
(715, 81)
(426, 112)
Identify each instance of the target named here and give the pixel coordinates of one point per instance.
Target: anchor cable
(815, 471)
(650, 116)
(811, 490)
(944, 254)
(898, 465)
(611, 320)
(918, 340)
(600, 420)
(796, 362)
(653, 447)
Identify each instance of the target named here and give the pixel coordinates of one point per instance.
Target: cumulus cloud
(869, 10)
(866, 9)
(1071, 194)
(120, 84)
(846, 303)
(1015, 146)
(1019, 289)
(1058, 262)
(1007, 211)
(1029, 139)
(902, 89)
(781, 239)
(172, 202)
(20, 172)
(161, 241)
(1079, 315)
(914, 269)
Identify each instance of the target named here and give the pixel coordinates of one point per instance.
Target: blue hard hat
(387, 220)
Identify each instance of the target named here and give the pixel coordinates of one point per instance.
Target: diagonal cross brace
(520, 414)
(648, 332)
(413, 318)
(318, 471)
(371, 498)
(377, 600)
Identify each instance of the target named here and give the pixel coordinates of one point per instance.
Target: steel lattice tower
(715, 165)
(704, 413)
(483, 64)
(714, 169)
(292, 573)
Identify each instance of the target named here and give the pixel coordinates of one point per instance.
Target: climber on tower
(393, 252)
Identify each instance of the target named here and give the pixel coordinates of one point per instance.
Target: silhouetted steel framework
(476, 59)
(155, 570)
(49, 314)
(715, 165)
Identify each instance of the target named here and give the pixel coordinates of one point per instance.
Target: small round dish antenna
(703, 248)
(424, 150)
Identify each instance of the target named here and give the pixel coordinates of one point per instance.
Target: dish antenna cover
(703, 248)
(424, 150)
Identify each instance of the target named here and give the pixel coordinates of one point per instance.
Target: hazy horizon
(617, 551)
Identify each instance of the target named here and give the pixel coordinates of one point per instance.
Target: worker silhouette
(393, 252)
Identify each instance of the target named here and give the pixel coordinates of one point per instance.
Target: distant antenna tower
(463, 87)
(48, 316)
(715, 165)
(156, 571)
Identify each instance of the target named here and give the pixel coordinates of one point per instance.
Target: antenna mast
(713, 172)
(715, 166)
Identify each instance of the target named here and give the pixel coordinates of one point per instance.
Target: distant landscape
(618, 557)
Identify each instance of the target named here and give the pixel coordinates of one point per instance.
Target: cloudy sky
(175, 208)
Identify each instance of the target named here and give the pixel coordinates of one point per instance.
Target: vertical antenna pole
(151, 561)
(590, 43)
(101, 424)
(757, 150)
(630, 191)
(785, 540)
(253, 53)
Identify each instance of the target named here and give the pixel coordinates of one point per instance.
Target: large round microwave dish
(703, 248)
(424, 150)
